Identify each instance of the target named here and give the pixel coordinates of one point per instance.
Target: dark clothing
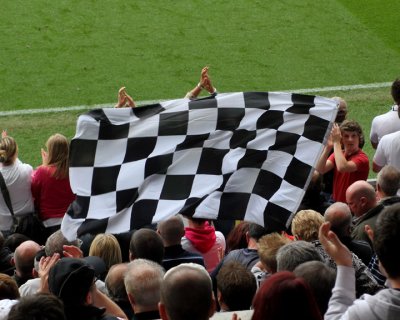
(126, 307)
(5, 261)
(175, 255)
(360, 248)
(368, 218)
(149, 315)
(86, 312)
(365, 281)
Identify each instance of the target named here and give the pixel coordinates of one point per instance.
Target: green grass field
(66, 53)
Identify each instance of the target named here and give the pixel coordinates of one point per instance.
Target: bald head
(171, 230)
(24, 256)
(179, 299)
(115, 282)
(360, 196)
(339, 215)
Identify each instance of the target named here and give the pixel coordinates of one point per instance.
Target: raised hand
(333, 246)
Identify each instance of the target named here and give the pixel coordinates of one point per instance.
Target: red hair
(284, 296)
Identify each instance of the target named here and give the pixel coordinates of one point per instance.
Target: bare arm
(323, 164)
(342, 164)
(375, 167)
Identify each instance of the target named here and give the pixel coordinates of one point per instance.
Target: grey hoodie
(385, 305)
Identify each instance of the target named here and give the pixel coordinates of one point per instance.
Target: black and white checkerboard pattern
(246, 155)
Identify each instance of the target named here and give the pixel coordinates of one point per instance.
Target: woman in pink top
(50, 183)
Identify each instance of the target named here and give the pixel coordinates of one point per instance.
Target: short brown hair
(353, 126)
(268, 246)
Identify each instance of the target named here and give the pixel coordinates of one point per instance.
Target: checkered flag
(247, 156)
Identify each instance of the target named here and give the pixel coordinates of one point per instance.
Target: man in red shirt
(350, 164)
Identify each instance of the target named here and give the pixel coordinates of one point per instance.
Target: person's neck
(252, 244)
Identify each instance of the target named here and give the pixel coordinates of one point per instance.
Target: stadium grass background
(64, 53)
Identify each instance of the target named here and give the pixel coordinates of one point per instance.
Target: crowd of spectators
(338, 260)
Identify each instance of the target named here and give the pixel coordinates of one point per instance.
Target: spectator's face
(354, 204)
(350, 141)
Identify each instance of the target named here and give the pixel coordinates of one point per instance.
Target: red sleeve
(36, 184)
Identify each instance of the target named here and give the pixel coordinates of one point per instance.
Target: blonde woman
(106, 246)
(17, 176)
(50, 183)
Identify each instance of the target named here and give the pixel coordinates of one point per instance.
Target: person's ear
(12, 261)
(131, 299)
(89, 299)
(162, 311)
(247, 237)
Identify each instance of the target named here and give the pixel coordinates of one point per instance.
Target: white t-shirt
(388, 151)
(18, 180)
(384, 124)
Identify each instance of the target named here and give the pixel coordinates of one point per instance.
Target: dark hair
(284, 296)
(256, 231)
(353, 126)
(237, 286)
(147, 244)
(395, 91)
(42, 306)
(320, 278)
(236, 238)
(387, 239)
(14, 240)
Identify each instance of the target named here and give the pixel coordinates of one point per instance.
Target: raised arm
(324, 165)
(342, 164)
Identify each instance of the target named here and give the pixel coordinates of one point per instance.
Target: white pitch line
(144, 102)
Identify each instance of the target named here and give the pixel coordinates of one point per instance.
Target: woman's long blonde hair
(8, 150)
(57, 155)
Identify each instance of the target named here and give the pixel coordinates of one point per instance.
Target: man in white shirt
(388, 122)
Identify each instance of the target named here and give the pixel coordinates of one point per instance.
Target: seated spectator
(106, 246)
(268, 247)
(236, 287)
(50, 183)
(146, 244)
(237, 237)
(305, 225)
(186, 293)
(115, 287)
(321, 280)
(143, 284)
(171, 231)
(295, 253)
(361, 198)
(285, 296)
(23, 261)
(386, 303)
(41, 306)
(203, 239)
(339, 216)
(350, 164)
(17, 178)
(72, 280)
(388, 122)
(56, 243)
(387, 185)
